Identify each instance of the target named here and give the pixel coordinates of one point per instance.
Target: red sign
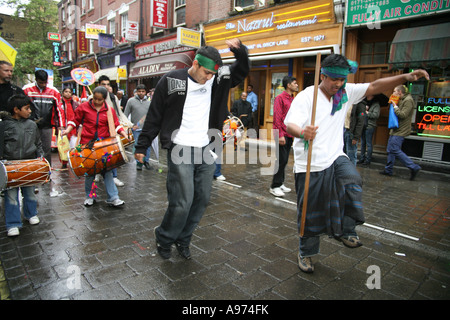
(52, 36)
(82, 43)
(159, 14)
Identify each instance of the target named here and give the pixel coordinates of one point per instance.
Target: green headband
(207, 62)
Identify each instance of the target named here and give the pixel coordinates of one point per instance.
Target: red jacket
(46, 110)
(281, 107)
(69, 107)
(86, 115)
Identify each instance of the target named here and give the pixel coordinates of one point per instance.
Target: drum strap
(112, 129)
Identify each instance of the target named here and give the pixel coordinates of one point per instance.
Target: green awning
(427, 46)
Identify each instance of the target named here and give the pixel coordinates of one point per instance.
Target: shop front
(407, 36)
(155, 58)
(114, 65)
(282, 40)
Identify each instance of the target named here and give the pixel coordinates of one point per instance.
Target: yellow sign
(121, 73)
(189, 38)
(92, 30)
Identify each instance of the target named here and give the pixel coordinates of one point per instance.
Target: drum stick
(308, 163)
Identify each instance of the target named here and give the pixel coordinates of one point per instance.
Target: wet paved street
(244, 248)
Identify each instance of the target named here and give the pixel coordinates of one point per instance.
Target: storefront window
(433, 108)
(375, 53)
(277, 87)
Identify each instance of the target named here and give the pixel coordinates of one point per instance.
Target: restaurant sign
(373, 12)
(295, 27)
(153, 49)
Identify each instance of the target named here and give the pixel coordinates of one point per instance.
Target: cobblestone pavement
(245, 247)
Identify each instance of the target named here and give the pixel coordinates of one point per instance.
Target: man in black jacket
(188, 109)
(243, 110)
(7, 89)
(354, 125)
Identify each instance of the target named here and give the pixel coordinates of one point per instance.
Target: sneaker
(183, 251)
(12, 232)
(89, 202)
(116, 203)
(34, 220)
(139, 166)
(276, 192)
(165, 253)
(220, 178)
(351, 242)
(97, 177)
(118, 182)
(305, 264)
(285, 189)
(385, 173)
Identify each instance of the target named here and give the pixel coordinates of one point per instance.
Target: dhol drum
(233, 128)
(130, 140)
(24, 173)
(103, 155)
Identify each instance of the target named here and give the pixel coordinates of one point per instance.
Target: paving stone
(245, 247)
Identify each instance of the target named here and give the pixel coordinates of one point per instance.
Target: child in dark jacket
(19, 140)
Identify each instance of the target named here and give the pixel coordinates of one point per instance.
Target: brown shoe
(305, 264)
(352, 242)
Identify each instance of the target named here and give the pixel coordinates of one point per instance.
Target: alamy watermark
(374, 280)
(264, 152)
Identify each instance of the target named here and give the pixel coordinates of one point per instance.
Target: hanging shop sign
(56, 53)
(52, 36)
(159, 14)
(189, 38)
(92, 30)
(132, 32)
(288, 28)
(374, 12)
(82, 44)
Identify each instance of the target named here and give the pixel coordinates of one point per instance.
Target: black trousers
(282, 160)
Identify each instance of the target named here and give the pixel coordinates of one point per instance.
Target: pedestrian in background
(353, 128)
(137, 108)
(68, 106)
(252, 97)
(19, 140)
(404, 111)
(47, 110)
(7, 89)
(372, 115)
(281, 107)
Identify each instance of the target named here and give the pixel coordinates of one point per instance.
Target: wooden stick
(90, 91)
(310, 146)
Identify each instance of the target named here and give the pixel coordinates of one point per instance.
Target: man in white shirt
(334, 204)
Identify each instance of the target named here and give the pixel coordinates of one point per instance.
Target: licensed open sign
(52, 36)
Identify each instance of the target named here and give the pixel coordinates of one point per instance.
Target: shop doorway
(257, 79)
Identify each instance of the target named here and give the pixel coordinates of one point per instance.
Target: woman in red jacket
(92, 115)
(69, 106)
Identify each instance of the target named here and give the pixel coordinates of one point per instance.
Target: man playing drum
(19, 139)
